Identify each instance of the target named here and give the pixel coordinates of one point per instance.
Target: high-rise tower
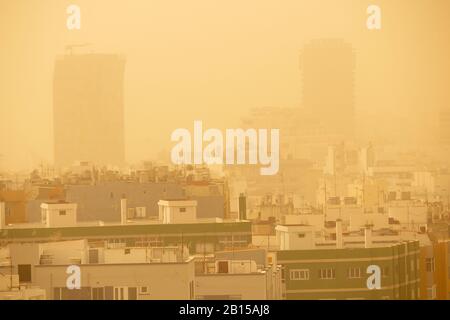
(88, 109)
(327, 68)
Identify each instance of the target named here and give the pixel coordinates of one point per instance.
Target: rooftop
(124, 230)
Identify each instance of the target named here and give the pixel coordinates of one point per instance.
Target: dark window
(144, 290)
(109, 293)
(83, 293)
(98, 293)
(127, 251)
(62, 212)
(182, 209)
(191, 290)
(24, 272)
(93, 256)
(132, 293)
(56, 293)
(223, 267)
(392, 196)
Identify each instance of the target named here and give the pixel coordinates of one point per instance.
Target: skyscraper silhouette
(88, 109)
(327, 68)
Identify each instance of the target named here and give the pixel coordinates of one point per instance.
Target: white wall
(295, 237)
(64, 251)
(247, 286)
(183, 211)
(316, 220)
(54, 216)
(165, 280)
(409, 216)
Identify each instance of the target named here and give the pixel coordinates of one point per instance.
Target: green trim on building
(207, 229)
(399, 264)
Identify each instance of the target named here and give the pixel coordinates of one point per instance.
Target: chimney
(339, 237)
(368, 236)
(242, 207)
(123, 211)
(2, 215)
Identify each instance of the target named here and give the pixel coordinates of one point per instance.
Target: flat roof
(126, 230)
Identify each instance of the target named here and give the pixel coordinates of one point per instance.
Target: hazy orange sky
(214, 60)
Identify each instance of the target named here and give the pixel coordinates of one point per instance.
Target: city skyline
(191, 72)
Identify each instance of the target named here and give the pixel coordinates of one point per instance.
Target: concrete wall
(54, 216)
(164, 280)
(245, 286)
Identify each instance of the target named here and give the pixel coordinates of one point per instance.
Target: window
(120, 293)
(98, 293)
(127, 251)
(182, 209)
(327, 273)
(429, 263)
(431, 292)
(191, 290)
(62, 212)
(301, 235)
(354, 273)
(222, 266)
(24, 271)
(299, 274)
(62, 293)
(93, 255)
(144, 290)
(132, 293)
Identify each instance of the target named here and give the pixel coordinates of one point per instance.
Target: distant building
(59, 222)
(110, 273)
(177, 211)
(439, 266)
(342, 273)
(14, 205)
(88, 112)
(239, 280)
(327, 67)
(102, 200)
(59, 214)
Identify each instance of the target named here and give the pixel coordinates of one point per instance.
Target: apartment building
(181, 227)
(440, 268)
(239, 280)
(343, 273)
(344, 256)
(238, 274)
(109, 273)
